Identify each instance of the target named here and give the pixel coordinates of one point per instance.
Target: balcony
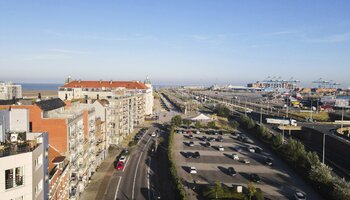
(11, 183)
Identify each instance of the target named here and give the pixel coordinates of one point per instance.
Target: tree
(198, 125)
(176, 121)
(277, 140)
(321, 175)
(212, 125)
(186, 122)
(217, 189)
(234, 124)
(251, 190)
(341, 189)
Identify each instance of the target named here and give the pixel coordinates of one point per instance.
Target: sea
(40, 86)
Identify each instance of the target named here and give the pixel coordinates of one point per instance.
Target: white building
(10, 91)
(24, 167)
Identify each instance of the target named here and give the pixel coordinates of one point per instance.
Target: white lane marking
(148, 173)
(137, 167)
(116, 191)
(127, 160)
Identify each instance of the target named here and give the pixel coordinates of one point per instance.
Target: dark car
(255, 178)
(204, 137)
(190, 136)
(219, 139)
(207, 144)
(258, 149)
(188, 155)
(268, 161)
(196, 155)
(231, 171)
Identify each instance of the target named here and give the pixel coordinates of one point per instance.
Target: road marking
(127, 160)
(116, 191)
(149, 178)
(137, 168)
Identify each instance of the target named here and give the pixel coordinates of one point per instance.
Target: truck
(285, 122)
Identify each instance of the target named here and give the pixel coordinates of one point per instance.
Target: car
(198, 132)
(188, 155)
(190, 136)
(156, 194)
(255, 178)
(221, 148)
(235, 136)
(193, 170)
(268, 161)
(246, 161)
(122, 159)
(196, 155)
(219, 139)
(299, 195)
(180, 132)
(211, 139)
(207, 144)
(125, 152)
(154, 134)
(231, 171)
(251, 149)
(235, 156)
(120, 165)
(204, 137)
(191, 144)
(258, 149)
(238, 149)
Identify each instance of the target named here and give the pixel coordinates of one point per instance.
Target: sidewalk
(99, 181)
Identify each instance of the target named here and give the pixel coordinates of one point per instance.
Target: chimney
(110, 82)
(39, 95)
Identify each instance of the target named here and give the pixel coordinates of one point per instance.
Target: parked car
(268, 161)
(231, 171)
(299, 195)
(120, 165)
(191, 144)
(204, 137)
(219, 139)
(251, 149)
(198, 132)
(221, 148)
(235, 135)
(238, 149)
(235, 156)
(125, 152)
(258, 150)
(188, 154)
(196, 155)
(153, 134)
(255, 178)
(122, 159)
(193, 170)
(156, 195)
(207, 144)
(246, 161)
(190, 136)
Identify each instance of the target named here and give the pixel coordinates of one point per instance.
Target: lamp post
(324, 147)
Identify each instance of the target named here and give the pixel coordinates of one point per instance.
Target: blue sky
(175, 42)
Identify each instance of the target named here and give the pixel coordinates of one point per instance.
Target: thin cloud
(337, 38)
(211, 39)
(48, 57)
(67, 51)
(286, 32)
(135, 37)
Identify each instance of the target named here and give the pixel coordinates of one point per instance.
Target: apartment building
(24, 166)
(10, 91)
(71, 130)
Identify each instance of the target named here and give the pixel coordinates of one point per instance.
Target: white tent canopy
(201, 117)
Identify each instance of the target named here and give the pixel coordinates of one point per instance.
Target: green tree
(341, 189)
(176, 121)
(321, 175)
(277, 140)
(217, 189)
(251, 190)
(198, 125)
(212, 125)
(186, 122)
(234, 124)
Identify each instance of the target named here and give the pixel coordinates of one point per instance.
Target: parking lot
(212, 165)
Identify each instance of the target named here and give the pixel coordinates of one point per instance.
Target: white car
(251, 149)
(198, 132)
(235, 156)
(153, 134)
(221, 148)
(193, 170)
(246, 161)
(191, 144)
(298, 195)
(122, 159)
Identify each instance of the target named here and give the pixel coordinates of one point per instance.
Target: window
(39, 187)
(18, 198)
(38, 161)
(14, 177)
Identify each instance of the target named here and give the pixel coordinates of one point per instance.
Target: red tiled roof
(52, 155)
(106, 84)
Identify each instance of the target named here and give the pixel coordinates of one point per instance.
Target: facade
(10, 91)
(24, 167)
(71, 130)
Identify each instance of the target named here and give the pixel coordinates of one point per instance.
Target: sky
(175, 42)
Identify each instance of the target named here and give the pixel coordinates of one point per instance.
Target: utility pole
(260, 115)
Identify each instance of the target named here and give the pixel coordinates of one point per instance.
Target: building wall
(19, 120)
